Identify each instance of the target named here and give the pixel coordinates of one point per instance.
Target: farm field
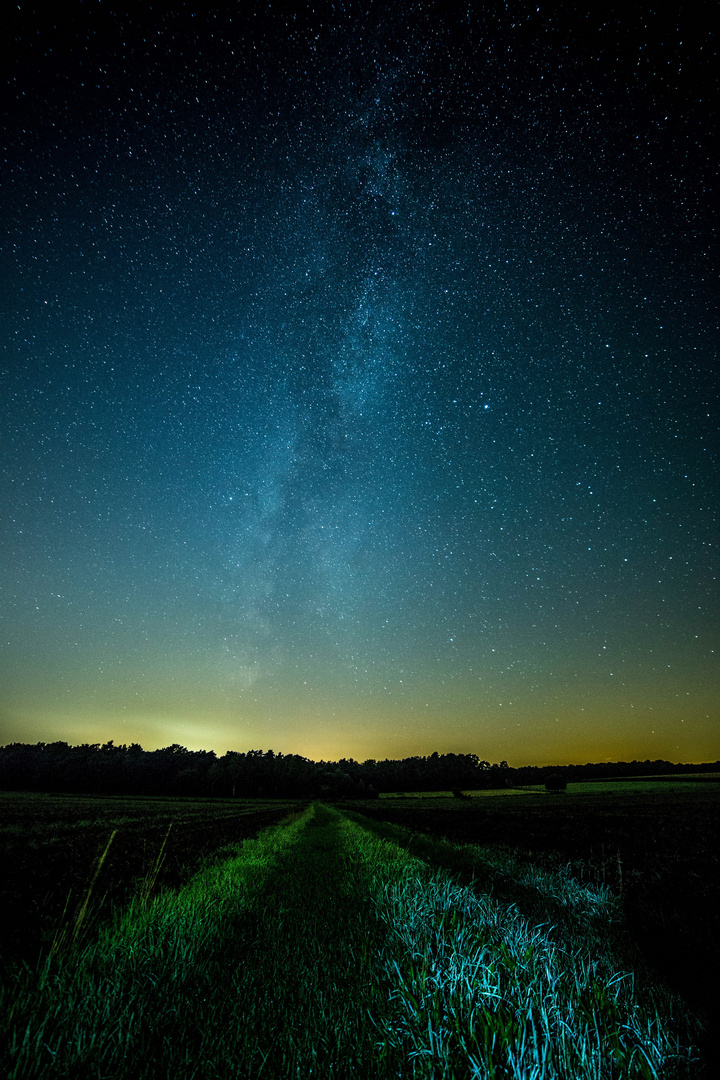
(485, 794)
(50, 846)
(335, 944)
(665, 784)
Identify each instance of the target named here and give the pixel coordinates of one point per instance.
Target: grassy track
(325, 949)
(312, 968)
(262, 966)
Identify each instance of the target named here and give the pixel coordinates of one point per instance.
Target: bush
(555, 783)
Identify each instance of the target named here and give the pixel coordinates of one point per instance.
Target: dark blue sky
(359, 379)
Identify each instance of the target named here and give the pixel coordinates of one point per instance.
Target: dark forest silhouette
(174, 770)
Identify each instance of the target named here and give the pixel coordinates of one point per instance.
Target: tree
(555, 783)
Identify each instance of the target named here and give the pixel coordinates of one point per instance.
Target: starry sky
(358, 386)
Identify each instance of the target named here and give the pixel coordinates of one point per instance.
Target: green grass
(484, 793)
(143, 998)
(326, 948)
(664, 784)
(50, 846)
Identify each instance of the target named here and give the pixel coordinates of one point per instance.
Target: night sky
(359, 386)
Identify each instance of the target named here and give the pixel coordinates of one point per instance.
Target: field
(487, 937)
(665, 784)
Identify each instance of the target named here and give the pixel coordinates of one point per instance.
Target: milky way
(358, 382)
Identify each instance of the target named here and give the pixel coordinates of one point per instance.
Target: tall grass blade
(68, 937)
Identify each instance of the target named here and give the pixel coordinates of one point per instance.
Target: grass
(662, 784)
(485, 793)
(51, 846)
(143, 997)
(325, 948)
(261, 965)
(545, 896)
(652, 843)
(480, 991)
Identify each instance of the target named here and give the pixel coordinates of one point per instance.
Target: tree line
(93, 768)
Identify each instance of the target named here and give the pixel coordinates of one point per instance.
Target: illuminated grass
(50, 848)
(480, 992)
(323, 949)
(118, 1006)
